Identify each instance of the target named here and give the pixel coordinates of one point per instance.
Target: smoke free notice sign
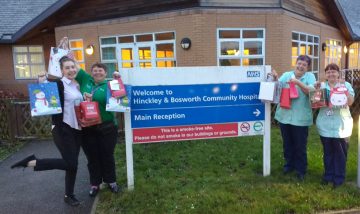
(184, 112)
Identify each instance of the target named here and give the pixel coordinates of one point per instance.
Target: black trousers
(295, 145)
(335, 156)
(99, 144)
(68, 141)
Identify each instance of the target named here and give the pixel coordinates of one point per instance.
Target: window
(108, 54)
(333, 52)
(241, 47)
(28, 61)
(306, 44)
(140, 50)
(354, 57)
(77, 47)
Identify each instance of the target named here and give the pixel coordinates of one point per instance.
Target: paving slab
(27, 192)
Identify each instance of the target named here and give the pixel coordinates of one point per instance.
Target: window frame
(329, 47)
(306, 43)
(241, 42)
(135, 45)
(357, 56)
(78, 49)
(28, 56)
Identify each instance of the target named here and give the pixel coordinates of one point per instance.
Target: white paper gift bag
(54, 64)
(56, 54)
(267, 91)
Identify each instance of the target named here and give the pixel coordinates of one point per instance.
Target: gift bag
(56, 53)
(267, 91)
(54, 64)
(89, 113)
(317, 98)
(118, 104)
(44, 99)
(285, 101)
(278, 88)
(293, 91)
(117, 88)
(338, 97)
(270, 90)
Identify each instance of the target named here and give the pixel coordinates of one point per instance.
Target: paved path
(27, 192)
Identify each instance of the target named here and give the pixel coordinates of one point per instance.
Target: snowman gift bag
(44, 99)
(54, 65)
(118, 104)
(338, 97)
(56, 53)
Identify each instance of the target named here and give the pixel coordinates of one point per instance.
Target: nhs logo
(253, 73)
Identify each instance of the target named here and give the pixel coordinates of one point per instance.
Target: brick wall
(7, 75)
(200, 25)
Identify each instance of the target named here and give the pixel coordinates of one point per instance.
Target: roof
(17, 17)
(349, 10)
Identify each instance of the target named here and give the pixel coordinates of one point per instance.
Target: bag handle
(64, 43)
(88, 96)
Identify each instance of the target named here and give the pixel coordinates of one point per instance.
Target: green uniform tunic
(99, 92)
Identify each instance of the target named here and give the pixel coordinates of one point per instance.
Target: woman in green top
(335, 127)
(99, 140)
(294, 122)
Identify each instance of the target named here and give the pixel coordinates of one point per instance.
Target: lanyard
(94, 89)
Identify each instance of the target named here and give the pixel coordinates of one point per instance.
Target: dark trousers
(335, 156)
(68, 141)
(99, 145)
(294, 145)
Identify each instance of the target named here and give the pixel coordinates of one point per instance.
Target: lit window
(306, 44)
(241, 47)
(140, 50)
(77, 47)
(333, 52)
(354, 57)
(28, 61)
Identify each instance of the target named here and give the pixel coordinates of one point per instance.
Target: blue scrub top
(339, 123)
(300, 113)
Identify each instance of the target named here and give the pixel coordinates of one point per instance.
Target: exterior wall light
(345, 50)
(185, 43)
(89, 50)
(323, 46)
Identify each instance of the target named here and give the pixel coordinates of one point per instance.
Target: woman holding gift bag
(99, 140)
(66, 133)
(296, 117)
(335, 128)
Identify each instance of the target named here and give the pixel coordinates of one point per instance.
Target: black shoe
(287, 171)
(94, 191)
(300, 177)
(324, 182)
(71, 200)
(114, 188)
(24, 162)
(336, 185)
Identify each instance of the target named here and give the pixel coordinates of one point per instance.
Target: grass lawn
(225, 176)
(7, 149)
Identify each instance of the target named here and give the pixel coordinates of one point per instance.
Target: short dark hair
(305, 58)
(64, 59)
(99, 65)
(332, 66)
